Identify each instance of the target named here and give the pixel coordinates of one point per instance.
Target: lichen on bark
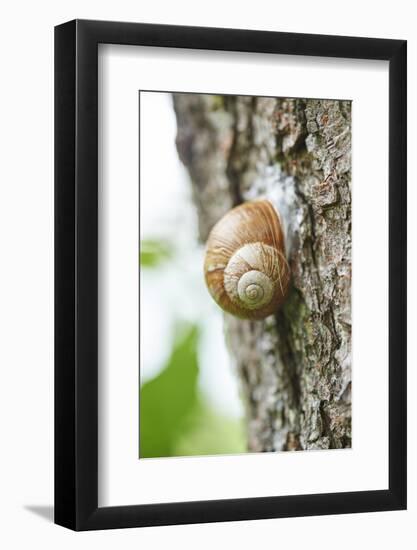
(294, 367)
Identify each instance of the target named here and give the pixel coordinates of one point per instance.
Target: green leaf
(167, 399)
(153, 253)
(211, 433)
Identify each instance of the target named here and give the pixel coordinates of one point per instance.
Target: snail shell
(245, 267)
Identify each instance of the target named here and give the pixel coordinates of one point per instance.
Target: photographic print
(245, 274)
(204, 289)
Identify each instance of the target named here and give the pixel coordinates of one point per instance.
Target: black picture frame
(76, 272)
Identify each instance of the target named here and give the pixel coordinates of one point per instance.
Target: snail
(245, 267)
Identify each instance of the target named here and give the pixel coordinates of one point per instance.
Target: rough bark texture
(295, 367)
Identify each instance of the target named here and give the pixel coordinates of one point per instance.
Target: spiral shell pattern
(245, 267)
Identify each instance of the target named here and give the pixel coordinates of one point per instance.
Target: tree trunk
(294, 367)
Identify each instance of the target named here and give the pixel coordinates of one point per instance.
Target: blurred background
(189, 393)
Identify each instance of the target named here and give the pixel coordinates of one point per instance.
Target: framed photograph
(230, 252)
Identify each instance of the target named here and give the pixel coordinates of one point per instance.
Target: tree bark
(295, 366)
